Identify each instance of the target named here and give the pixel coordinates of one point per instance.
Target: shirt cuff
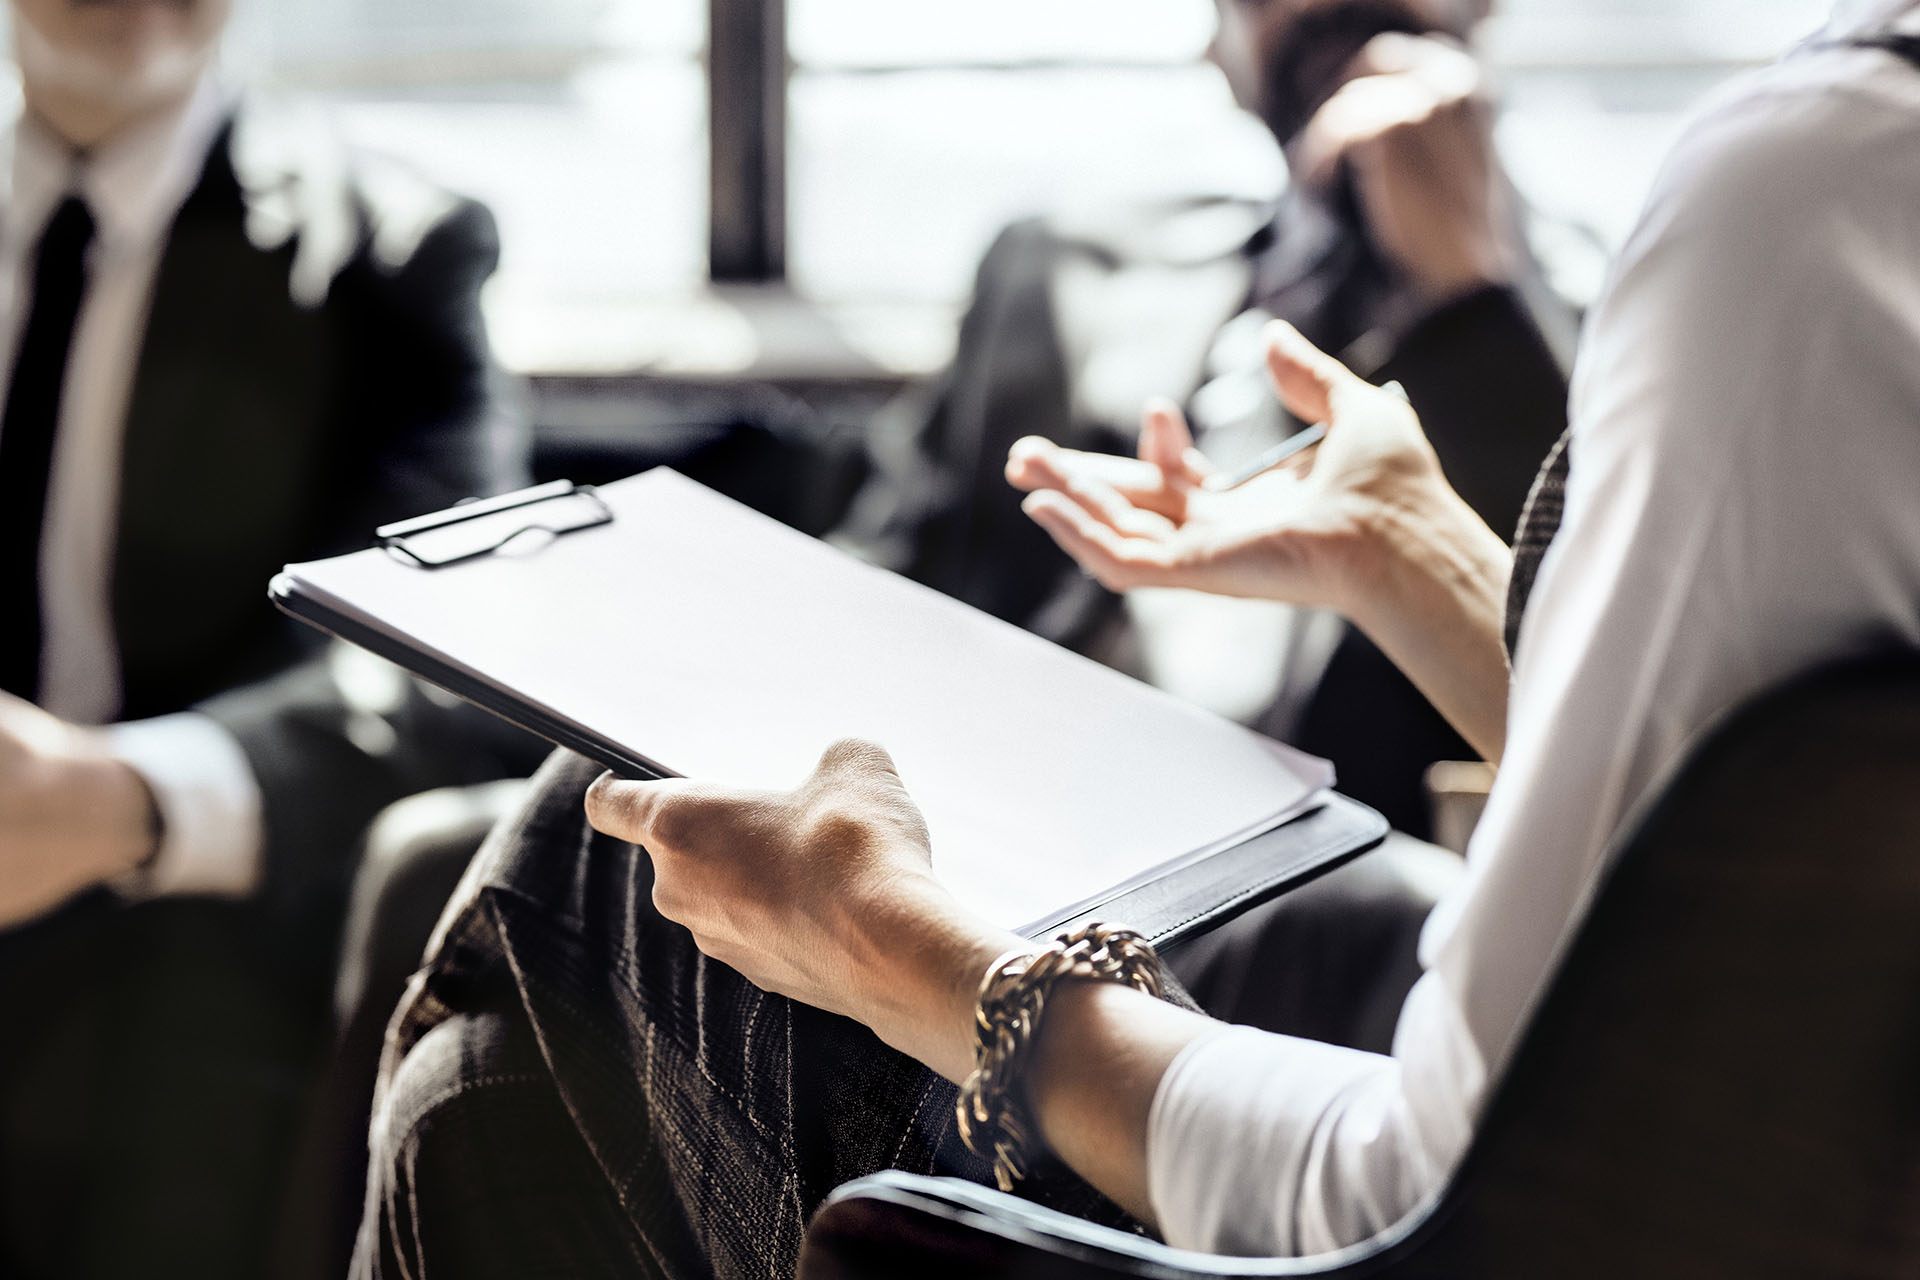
(210, 806)
(1236, 1159)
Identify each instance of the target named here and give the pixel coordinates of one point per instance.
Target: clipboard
(473, 531)
(525, 560)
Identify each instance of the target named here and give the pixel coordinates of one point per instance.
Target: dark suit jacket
(1134, 304)
(314, 363)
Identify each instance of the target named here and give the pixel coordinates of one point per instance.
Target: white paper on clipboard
(724, 646)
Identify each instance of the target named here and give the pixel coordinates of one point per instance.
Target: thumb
(1307, 378)
(626, 809)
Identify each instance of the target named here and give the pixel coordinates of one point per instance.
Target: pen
(1298, 442)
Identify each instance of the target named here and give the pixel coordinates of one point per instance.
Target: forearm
(1430, 589)
(1096, 1060)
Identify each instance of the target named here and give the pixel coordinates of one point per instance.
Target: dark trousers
(154, 1062)
(569, 1087)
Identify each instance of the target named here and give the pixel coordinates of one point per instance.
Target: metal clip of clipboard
(480, 528)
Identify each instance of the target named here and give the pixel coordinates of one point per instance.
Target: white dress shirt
(1742, 505)
(134, 185)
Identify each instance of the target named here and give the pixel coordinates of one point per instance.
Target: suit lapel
(224, 419)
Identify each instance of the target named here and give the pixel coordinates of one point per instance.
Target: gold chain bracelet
(993, 1117)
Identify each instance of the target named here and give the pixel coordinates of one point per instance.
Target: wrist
(1018, 996)
(1410, 554)
(919, 958)
(113, 813)
(1437, 615)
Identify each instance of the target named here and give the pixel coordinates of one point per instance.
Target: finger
(855, 758)
(1199, 466)
(1359, 113)
(862, 771)
(1442, 64)
(1110, 507)
(1105, 484)
(1115, 560)
(1035, 463)
(1029, 464)
(1164, 435)
(1388, 53)
(1167, 443)
(623, 808)
(663, 814)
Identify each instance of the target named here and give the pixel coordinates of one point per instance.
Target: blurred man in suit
(229, 344)
(1398, 244)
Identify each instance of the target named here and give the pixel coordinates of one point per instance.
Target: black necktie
(27, 432)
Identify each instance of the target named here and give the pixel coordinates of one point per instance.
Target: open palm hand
(1296, 534)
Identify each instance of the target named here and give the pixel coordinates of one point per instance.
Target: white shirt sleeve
(1740, 507)
(209, 802)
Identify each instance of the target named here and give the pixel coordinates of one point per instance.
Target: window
(915, 136)
(906, 134)
(1606, 84)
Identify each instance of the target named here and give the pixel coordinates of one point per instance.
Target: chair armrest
(896, 1224)
(1456, 794)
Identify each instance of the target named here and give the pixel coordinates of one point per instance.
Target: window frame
(748, 69)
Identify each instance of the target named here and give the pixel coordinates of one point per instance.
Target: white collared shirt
(1746, 453)
(134, 185)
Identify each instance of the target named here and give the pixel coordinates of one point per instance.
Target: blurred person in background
(228, 344)
(1398, 244)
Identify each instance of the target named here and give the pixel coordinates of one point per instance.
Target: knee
(416, 851)
(417, 838)
(473, 1160)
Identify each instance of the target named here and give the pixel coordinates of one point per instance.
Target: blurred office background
(865, 152)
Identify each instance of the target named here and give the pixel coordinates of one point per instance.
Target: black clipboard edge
(285, 593)
(1217, 888)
